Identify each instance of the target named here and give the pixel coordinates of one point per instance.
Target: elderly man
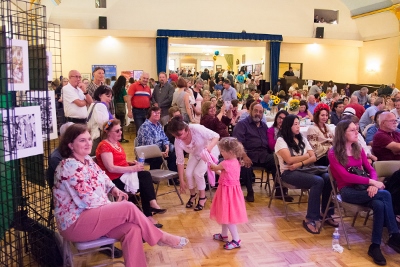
(252, 133)
(99, 79)
(139, 94)
(369, 114)
(362, 96)
(162, 96)
(386, 142)
(312, 103)
(266, 102)
(75, 99)
(229, 92)
(357, 107)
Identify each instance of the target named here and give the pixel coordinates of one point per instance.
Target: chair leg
(325, 213)
(177, 191)
(367, 217)
(272, 195)
(343, 226)
(262, 178)
(158, 184)
(354, 219)
(284, 202)
(267, 183)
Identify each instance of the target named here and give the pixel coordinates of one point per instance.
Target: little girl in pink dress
(228, 207)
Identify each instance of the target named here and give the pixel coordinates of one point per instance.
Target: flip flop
(306, 224)
(329, 221)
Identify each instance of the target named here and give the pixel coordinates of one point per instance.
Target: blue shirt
(240, 78)
(266, 105)
(312, 107)
(229, 94)
(218, 87)
(152, 134)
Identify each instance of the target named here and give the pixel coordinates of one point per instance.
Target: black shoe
(158, 211)
(158, 225)
(375, 252)
(200, 207)
(250, 197)
(117, 251)
(191, 200)
(394, 242)
(287, 198)
(124, 141)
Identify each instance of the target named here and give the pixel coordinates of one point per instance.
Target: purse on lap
(311, 168)
(359, 172)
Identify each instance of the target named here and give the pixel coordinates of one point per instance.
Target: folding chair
(386, 168)
(278, 181)
(162, 174)
(340, 204)
(262, 169)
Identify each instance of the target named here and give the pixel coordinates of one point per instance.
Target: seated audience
(346, 153)
(328, 98)
(371, 130)
(319, 135)
(217, 123)
(386, 142)
(81, 202)
(362, 96)
(266, 102)
(303, 111)
(294, 152)
(246, 113)
(346, 101)
(337, 111)
(357, 107)
(369, 114)
(272, 132)
(396, 110)
(312, 103)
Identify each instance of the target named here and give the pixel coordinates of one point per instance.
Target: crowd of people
(220, 122)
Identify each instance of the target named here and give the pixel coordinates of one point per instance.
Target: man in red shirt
(386, 142)
(357, 107)
(139, 94)
(173, 76)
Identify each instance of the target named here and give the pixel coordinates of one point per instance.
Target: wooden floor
(267, 239)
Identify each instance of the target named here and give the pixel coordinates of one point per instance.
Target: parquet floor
(267, 239)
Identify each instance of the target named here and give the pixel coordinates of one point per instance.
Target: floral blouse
(78, 187)
(319, 141)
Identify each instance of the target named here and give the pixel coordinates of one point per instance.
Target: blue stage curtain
(220, 35)
(162, 53)
(275, 50)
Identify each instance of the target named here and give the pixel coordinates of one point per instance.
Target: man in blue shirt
(229, 92)
(312, 103)
(240, 79)
(266, 103)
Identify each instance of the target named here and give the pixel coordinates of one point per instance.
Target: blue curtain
(162, 53)
(219, 35)
(275, 50)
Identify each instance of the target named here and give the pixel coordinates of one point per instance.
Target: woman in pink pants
(83, 211)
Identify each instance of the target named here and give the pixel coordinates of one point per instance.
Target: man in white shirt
(75, 98)
(395, 90)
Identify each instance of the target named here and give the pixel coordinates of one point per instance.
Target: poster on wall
(127, 74)
(137, 74)
(18, 67)
(110, 70)
(257, 69)
(25, 132)
(49, 65)
(47, 105)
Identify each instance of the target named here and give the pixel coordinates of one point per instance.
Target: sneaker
(375, 252)
(231, 245)
(394, 242)
(219, 237)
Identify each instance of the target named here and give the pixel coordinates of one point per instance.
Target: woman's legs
(195, 171)
(147, 193)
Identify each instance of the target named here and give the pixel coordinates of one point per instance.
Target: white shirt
(97, 120)
(395, 92)
(281, 144)
(69, 95)
(395, 112)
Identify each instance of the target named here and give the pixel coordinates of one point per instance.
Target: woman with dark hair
(121, 99)
(272, 132)
(98, 114)
(181, 99)
(81, 203)
(303, 110)
(193, 139)
(337, 110)
(294, 153)
(217, 123)
(346, 153)
(319, 135)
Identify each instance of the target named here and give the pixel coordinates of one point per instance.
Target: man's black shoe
(394, 242)
(250, 197)
(117, 251)
(375, 252)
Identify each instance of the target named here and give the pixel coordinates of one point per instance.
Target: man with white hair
(386, 142)
(312, 103)
(362, 96)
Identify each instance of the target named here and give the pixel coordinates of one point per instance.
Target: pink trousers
(119, 220)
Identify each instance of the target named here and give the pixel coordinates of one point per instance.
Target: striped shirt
(140, 94)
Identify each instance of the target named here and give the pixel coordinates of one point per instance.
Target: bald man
(386, 142)
(357, 107)
(139, 95)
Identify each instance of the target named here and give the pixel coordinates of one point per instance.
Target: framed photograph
(243, 59)
(257, 69)
(49, 65)
(249, 68)
(18, 69)
(25, 133)
(127, 73)
(137, 74)
(218, 67)
(47, 105)
(86, 76)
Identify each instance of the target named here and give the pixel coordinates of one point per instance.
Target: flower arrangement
(275, 100)
(239, 96)
(321, 106)
(294, 104)
(321, 95)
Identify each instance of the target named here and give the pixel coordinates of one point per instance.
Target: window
(209, 64)
(326, 16)
(100, 3)
(171, 64)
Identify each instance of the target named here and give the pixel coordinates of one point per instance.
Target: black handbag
(311, 168)
(359, 172)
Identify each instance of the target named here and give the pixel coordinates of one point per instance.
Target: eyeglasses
(391, 121)
(76, 76)
(118, 130)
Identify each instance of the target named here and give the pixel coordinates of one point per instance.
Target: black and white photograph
(49, 65)
(47, 111)
(25, 133)
(18, 67)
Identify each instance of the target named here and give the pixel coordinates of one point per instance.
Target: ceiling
(358, 7)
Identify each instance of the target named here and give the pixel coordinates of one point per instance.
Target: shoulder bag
(311, 168)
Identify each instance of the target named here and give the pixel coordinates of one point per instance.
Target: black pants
(146, 190)
(121, 117)
(155, 163)
(247, 173)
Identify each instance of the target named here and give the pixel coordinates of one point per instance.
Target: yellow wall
(378, 61)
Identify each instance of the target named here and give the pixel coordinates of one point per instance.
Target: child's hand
(213, 167)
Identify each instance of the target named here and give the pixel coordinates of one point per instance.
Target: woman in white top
(294, 152)
(98, 114)
(198, 99)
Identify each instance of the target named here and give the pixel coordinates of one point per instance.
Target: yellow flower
(322, 95)
(277, 101)
(294, 104)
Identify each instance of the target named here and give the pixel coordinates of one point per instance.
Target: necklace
(115, 146)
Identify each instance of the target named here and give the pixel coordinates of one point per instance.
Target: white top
(99, 117)
(281, 144)
(394, 111)
(69, 95)
(201, 137)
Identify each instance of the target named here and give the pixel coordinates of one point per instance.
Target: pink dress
(228, 205)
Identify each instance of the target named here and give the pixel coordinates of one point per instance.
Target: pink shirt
(343, 177)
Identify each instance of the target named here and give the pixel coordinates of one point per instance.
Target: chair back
(386, 168)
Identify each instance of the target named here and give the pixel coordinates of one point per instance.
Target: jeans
(247, 173)
(318, 185)
(381, 204)
(139, 116)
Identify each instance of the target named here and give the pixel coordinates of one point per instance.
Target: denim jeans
(318, 185)
(381, 204)
(139, 116)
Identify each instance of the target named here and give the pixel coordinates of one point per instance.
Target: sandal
(200, 207)
(330, 221)
(312, 223)
(189, 204)
(183, 242)
(219, 237)
(231, 245)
